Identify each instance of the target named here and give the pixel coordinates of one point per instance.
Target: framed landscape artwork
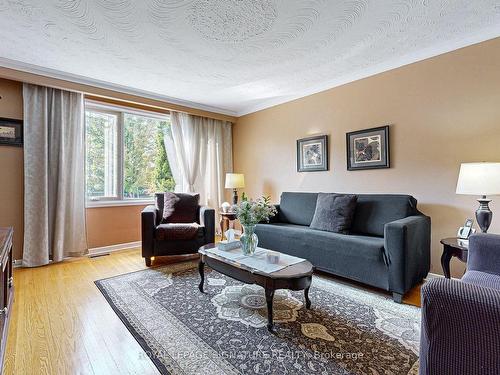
(368, 149)
(312, 154)
(11, 132)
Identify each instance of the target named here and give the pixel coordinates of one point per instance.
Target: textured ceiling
(236, 56)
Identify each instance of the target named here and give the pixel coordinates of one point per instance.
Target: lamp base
(484, 214)
(235, 197)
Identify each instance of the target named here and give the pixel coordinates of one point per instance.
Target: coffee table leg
(201, 270)
(306, 295)
(269, 300)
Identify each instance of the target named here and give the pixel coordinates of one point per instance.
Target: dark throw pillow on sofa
(180, 208)
(334, 212)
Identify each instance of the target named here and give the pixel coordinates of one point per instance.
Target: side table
(453, 247)
(226, 219)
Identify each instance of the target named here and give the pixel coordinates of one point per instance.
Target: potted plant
(250, 213)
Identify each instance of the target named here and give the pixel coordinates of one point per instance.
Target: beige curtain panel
(54, 175)
(204, 154)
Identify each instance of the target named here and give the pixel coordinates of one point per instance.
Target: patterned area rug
(347, 331)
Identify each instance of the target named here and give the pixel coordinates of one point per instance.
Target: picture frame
(312, 154)
(11, 132)
(368, 149)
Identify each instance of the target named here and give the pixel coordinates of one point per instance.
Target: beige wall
(11, 167)
(442, 111)
(113, 225)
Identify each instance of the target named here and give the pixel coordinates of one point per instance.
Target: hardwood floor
(61, 323)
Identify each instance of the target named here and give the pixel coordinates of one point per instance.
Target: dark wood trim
(7, 287)
(226, 218)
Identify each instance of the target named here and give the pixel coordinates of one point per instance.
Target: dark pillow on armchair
(180, 208)
(334, 212)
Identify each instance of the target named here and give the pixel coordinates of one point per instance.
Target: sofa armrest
(458, 328)
(407, 244)
(207, 219)
(484, 253)
(148, 226)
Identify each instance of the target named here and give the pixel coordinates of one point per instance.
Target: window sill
(118, 203)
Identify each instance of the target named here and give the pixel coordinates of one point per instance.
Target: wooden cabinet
(6, 287)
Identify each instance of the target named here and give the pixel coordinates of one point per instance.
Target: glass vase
(249, 240)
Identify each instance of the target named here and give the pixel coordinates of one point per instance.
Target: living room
(250, 187)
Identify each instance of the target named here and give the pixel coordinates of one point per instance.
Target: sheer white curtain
(54, 175)
(204, 154)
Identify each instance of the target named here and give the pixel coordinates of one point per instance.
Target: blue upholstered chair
(461, 318)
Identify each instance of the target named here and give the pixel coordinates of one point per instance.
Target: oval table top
(304, 268)
(456, 243)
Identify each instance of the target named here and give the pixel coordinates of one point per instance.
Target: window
(146, 165)
(102, 154)
(126, 157)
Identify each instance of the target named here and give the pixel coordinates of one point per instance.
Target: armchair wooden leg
(148, 261)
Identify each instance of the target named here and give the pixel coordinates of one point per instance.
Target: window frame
(120, 112)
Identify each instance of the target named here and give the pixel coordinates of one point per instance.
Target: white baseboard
(17, 263)
(109, 249)
(431, 275)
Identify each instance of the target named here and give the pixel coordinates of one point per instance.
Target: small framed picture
(11, 132)
(312, 154)
(368, 149)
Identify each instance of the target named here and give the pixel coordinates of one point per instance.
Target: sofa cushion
(169, 201)
(182, 231)
(334, 212)
(178, 207)
(485, 279)
(373, 211)
(297, 208)
(367, 246)
(356, 257)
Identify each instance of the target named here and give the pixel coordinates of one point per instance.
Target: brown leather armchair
(167, 237)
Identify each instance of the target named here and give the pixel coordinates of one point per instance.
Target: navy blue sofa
(388, 248)
(461, 318)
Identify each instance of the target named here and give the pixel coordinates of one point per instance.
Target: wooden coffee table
(297, 276)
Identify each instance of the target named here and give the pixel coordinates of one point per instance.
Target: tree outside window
(126, 151)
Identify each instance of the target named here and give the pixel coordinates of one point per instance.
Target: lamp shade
(235, 180)
(479, 179)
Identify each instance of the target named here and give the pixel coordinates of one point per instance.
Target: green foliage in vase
(251, 212)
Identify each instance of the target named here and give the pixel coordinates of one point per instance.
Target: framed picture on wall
(11, 132)
(368, 149)
(312, 154)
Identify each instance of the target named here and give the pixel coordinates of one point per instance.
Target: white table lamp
(480, 179)
(235, 181)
